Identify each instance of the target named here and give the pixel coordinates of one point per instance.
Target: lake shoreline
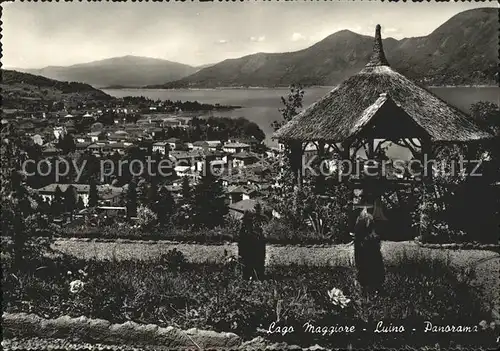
(262, 106)
(283, 87)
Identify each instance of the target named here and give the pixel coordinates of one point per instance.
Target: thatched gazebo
(372, 108)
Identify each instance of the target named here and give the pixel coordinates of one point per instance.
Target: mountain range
(118, 71)
(462, 51)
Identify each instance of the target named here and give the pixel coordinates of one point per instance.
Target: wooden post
(371, 148)
(296, 161)
(320, 179)
(425, 221)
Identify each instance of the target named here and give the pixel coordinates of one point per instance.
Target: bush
(174, 260)
(279, 231)
(325, 215)
(146, 218)
(449, 209)
(453, 198)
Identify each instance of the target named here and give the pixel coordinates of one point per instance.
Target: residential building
(82, 146)
(119, 147)
(107, 195)
(200, 145)
(50, 150)
(238, 209)
(235, 147)
(214, 145)
(161, 146)
(48, 192)
(174, 143)
(96, 136)
(241, 192)
(242, 159)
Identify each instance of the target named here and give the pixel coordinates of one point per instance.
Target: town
(113, 132)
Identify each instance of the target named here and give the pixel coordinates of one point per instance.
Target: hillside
(24, 90)
(463, 50)
(131, 71)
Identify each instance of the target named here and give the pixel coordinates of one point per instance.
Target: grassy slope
(20, 87)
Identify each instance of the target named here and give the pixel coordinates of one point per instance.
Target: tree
(164, 207)
(209, 203)
(22, 217)
(487, 114)
(131, 200)
(66, 143)
(152, 195)
(143, 192)
(186, 190)
(292, 103)
(93, 195)
(57, 205)
(107, 119)
(70, 200)
(80, 204)
(16, 207)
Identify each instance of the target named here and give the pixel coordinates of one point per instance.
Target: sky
(39, 34)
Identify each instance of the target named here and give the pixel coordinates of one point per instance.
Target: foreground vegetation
(170, 291)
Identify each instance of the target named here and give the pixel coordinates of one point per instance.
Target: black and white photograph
(250, 175)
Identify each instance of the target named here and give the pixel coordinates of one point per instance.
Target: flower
(193, 313)
(69, 273)
(76, 286)
(230, 260)
(338, 298)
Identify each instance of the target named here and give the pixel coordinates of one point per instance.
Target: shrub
(279, 231)
(146, 218)
(173, 260)
(324, 214)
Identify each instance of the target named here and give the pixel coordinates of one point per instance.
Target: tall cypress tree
(209, 203)
(93, 196)
(69, 200)
(186, 190)
(164, 207)
(57, 202)
(292, 105)
(152, 195)
(132, 200)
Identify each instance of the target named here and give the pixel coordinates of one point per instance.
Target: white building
(235, 147)
(161, 146)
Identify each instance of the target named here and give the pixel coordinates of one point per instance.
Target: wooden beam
(410, 147)
(335, 147)
(296, 161)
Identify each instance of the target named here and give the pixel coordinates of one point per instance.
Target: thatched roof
(338, 116)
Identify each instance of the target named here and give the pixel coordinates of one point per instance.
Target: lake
(261, 105)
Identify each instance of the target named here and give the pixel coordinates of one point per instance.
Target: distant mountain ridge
(133, 71)
(463, 50)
